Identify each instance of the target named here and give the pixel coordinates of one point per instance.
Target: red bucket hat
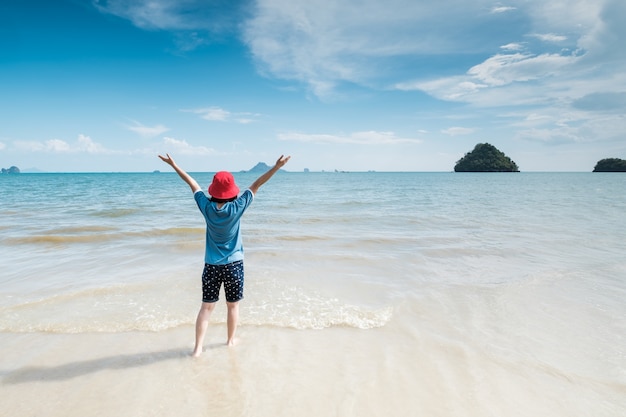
(223, 186)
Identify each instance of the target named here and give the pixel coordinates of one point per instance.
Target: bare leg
(202, 322)
(232, 319)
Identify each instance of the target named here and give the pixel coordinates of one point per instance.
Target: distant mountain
(33, 171)
(260, 167)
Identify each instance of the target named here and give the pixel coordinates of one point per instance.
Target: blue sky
(354, 85)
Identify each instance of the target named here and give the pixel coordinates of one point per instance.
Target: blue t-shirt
(223, 235)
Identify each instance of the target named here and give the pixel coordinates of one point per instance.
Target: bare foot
(232, 342)
(196, 353)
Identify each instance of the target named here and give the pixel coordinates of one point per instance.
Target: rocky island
(610, 165)
(12, 170)
(485, 158)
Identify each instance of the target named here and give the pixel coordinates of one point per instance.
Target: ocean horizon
(305, 171)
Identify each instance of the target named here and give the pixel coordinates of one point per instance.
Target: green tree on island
(610, 165)
(485, 158)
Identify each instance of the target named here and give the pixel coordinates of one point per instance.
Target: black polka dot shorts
(231, 275)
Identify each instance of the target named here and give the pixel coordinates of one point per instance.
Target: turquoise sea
(367, 294)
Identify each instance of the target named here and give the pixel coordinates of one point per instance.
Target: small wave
(58, 239)
(114, 309)
(300, 238)
(124, 308)
(79, 229)
(298, 308)
(98, 234)
(179, 231)
(115, 213)
(318, 316)
(80, 234)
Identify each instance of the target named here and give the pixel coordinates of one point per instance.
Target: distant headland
(261, 167)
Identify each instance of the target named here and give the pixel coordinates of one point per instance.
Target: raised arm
(181, 173)
(265, 177)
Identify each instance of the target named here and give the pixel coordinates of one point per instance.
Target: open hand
(282, 161)
(167, 159)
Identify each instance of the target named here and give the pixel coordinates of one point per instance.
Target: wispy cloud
(217, 114)
(503, 69)
(496, 72)
(603, 102)
(147, 131)
(323, 46)
(171, 14)
(514, 47)
(211, 113)
(549, 37)
(502, 9)
(2, 146)
(183, 148)
(193, 22)
(356, 138)
(559, 125)
(84, 144)
(458, 131)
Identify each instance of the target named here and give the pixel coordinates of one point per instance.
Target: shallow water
(439, 294)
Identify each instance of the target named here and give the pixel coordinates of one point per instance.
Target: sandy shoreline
(151, 374)
(285, 372)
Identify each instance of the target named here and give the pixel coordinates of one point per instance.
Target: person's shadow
(76, 369)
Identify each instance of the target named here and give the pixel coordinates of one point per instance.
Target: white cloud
(514, 47)
(502, 9)
(603, 101)
(217, 114)
(147, 14)
(558, 125)
(170, 14)
(552, 136)
(193, 23)
(355, 138)
(484, 83)
(2, 146)
(505, 69)
(212, 113)
(550, 37)
(323, 45)
(576, 17)
(84, 144)
(457, 131)
(535, 119)
(183, 148)
(456, 88)
(147, 131)
(58, 146)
